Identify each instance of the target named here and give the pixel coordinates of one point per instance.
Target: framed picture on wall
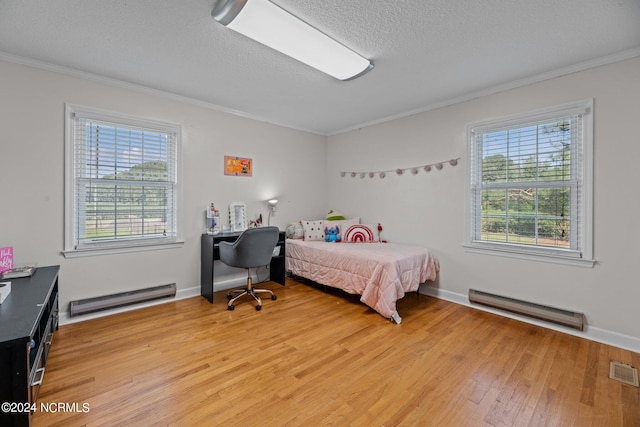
(238, 166)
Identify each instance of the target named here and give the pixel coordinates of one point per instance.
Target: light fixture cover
(273, 26)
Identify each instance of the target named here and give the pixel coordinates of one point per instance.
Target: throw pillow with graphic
(313, 230)
(359, 233)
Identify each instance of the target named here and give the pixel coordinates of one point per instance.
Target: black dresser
(28, 320)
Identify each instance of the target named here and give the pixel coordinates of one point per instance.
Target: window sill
(511, 252)
(103, 250)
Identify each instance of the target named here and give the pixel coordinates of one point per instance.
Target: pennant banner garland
(414, 170)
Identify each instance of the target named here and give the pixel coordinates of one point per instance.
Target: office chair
(254, 248)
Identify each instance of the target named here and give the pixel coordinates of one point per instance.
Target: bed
(381, 273)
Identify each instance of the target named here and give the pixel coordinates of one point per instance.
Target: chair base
(249, 290)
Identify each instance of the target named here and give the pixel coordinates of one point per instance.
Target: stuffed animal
(334, 215)
(332, 234)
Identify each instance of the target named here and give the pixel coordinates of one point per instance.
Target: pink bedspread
(380, 272)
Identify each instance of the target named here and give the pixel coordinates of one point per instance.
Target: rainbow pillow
(359, 233)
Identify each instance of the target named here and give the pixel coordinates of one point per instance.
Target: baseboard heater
(537, 311)
(91, 305)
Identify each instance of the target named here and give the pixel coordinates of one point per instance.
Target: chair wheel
(229, 297)
(258, 307)
(230, 307)
(273, 297)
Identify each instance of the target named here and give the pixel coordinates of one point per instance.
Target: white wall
(287, 163)
(428, 209)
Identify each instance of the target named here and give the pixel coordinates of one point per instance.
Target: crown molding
(97, 78)
(582, 66)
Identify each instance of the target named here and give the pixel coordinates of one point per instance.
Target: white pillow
(313, 230)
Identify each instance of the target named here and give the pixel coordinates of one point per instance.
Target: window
(530, 185)
(121, 189)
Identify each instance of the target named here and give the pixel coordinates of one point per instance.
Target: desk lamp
(272, 209)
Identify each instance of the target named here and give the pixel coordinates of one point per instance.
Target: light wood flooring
(315, 358)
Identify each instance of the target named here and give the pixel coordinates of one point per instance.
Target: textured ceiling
(427, 53)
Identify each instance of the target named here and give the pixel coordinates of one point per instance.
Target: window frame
(583, 254)
(72, 248)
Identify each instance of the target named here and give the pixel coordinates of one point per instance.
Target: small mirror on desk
(238, 216)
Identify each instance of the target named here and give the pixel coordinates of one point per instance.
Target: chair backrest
(253, 248)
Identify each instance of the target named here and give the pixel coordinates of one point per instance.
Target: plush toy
(334, 215)
(332, 234)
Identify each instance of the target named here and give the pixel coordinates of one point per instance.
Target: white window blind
(125, 183)
(528, 186)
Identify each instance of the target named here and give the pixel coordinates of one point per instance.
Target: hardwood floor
(313, 358)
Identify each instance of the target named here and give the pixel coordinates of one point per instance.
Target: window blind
(526, 184)
(125, 181)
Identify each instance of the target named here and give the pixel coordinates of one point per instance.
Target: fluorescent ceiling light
(273, 26)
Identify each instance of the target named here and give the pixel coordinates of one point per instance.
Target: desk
(210, 252)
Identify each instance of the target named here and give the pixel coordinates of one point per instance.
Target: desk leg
(206, 267)
(277, 268)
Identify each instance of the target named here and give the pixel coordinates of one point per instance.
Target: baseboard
(221, 285)
(603, 336)
(66, 319)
